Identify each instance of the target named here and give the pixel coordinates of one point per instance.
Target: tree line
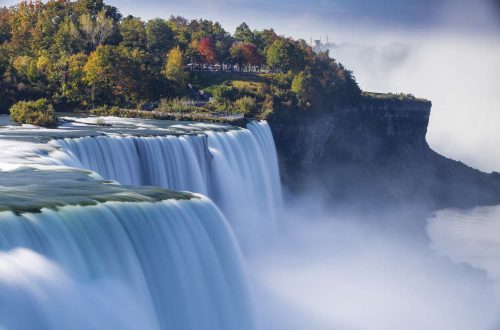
(82, 54)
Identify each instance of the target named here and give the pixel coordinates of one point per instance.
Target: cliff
(374, 152)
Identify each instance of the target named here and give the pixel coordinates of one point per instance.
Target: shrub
(222, 92)
(105, 110)
(246, 104)
(178, 105)
(39, 113)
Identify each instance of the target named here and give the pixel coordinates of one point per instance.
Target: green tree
(263, 39)
(159, 36)
(284, 55)
(68, 39)
(302, 87)
(133, 32)
(243, 33)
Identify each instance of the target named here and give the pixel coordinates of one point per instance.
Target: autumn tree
(73, 89)
(245, 53)
(251, 54)
(207, 51)
(5, 33)
(175, 69)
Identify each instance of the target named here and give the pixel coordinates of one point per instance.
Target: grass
(205, 79)
(392, 96)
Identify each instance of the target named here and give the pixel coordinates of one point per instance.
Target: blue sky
(303, 19)
(312, 18)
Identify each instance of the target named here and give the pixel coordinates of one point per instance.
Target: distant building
(319, 46)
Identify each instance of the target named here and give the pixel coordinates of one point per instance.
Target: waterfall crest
(237, 168)
(165, 265)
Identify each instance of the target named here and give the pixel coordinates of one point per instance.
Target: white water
(236, 168)
(165, 265)
(176, 265)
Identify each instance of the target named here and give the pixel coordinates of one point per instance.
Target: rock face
(374, 153)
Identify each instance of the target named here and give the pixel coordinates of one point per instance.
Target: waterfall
(237, 168)
(118, 265)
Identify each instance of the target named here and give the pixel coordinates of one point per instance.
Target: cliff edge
(374, 153)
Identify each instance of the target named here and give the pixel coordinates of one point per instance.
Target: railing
(230, 68)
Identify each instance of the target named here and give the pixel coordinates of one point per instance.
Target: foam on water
(237, 168)
(163, 265)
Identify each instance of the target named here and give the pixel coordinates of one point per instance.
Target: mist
(342, 270)
(460, 74)
(400, 269)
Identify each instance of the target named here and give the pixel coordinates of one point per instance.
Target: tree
(116, 75)
(133, 32)
(25, 67)
(245, 53)
(98, 71)
(302, 87)
(251, 54)
(207, 51)
(243, 33)
(5, 33)
(92, 7)
(68, 39)
(73, 89)
(263, 39)
(284, 55)
(159, 36)
(236, 54)
(96, 29)
(175, 66)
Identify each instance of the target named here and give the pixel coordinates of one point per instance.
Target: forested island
(83, 55)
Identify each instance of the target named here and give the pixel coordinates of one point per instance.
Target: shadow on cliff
(374, 154)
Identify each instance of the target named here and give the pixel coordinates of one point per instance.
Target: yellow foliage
(174, 68)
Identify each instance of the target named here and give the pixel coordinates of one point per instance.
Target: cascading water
(163, 265)
(77, 252)
(237, 168)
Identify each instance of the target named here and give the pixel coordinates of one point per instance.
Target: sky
(444, 50)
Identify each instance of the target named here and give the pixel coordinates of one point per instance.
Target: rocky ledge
(374, 153)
